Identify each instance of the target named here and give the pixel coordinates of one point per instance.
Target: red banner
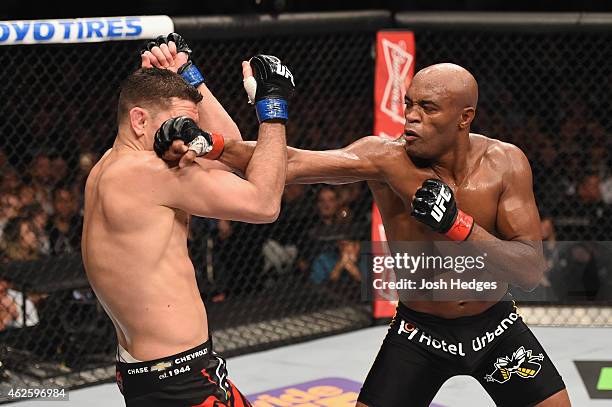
(394, 69)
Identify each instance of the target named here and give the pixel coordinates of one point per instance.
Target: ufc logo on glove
(439, 208)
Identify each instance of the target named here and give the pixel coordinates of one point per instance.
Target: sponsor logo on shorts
(412, 331)
(481, 341)
(158, 367)
(478, 343)
(191, 356)
(138, 370)
(522, 363)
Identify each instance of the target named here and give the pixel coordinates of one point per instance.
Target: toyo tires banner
(95, 29)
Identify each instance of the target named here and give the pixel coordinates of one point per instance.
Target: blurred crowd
(318, 235)
(317, 240)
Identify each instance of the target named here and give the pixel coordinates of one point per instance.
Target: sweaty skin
(136, 222)
(491, 180)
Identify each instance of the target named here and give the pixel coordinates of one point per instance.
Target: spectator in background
(342, 267)
(284, 249)
(19, 240)
(328, 216)
(343, 263)
(86, 163)
(354, 204)
(42, 181)
(573, 164)
(576, 277)
(27, 195)
(37, 214)
(544, 162)
(327, 206)
(10, 181)
(10, 206)
(9, 311)
(586, 212)
(11, 308)
(59, 171)
(601, 164)
(66, 223)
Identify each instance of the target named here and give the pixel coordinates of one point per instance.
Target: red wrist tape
(462, 227)
(218, 146)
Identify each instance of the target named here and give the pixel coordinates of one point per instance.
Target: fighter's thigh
(559, 399)
(401, 376)
(518, 372)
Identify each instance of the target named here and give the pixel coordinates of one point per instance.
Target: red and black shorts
(194, 378)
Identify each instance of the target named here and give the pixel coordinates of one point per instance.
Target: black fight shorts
(194, 378)
(422, 351)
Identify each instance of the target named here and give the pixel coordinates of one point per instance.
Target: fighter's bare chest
(478, 195)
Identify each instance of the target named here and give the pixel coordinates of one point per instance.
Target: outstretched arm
(360, 161)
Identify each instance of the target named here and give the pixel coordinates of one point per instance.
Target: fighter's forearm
(238, 154)
(307, 166)
(214, 118)
(519, 263)
(267, 168)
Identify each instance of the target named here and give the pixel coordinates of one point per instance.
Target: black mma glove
(273, 84)
(183, 128)
(434, 205)
(190, 73)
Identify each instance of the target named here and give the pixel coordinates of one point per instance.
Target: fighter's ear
(138, 118)
(467, 116)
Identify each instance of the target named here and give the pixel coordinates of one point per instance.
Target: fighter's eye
(428, 108)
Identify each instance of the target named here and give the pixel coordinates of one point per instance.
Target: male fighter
(137, 209)
(419, 182)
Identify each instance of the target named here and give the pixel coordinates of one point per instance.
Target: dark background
(18, 9)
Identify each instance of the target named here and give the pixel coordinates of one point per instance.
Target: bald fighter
(136, 223)
(440, 182)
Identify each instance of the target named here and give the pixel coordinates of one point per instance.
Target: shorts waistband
(198, 352)
(503, 306)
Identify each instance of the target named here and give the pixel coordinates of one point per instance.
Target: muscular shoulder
(504, 157)
(132, 171)
(375, 147)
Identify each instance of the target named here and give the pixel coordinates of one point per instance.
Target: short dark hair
(151, 88)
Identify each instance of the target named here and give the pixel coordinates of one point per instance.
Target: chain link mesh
(549, 94)
(59, 105)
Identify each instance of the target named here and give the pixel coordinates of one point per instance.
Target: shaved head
(440, 107)
(450, 80)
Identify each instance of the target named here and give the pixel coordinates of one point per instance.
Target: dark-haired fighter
(440, 182)
(135, 231)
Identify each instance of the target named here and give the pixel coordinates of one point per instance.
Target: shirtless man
(137, 210)
(436, 160)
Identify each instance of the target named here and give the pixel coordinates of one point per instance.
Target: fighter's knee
(559, 399)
